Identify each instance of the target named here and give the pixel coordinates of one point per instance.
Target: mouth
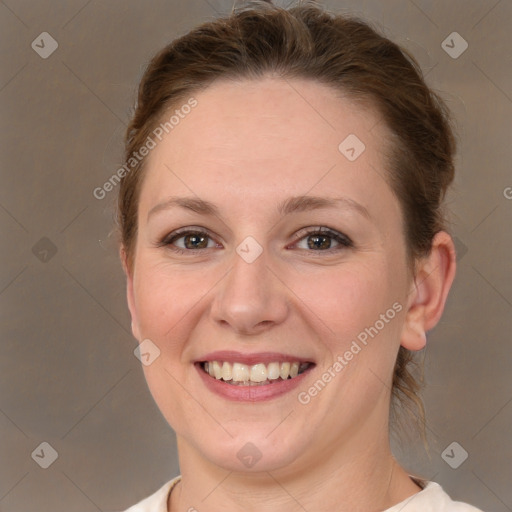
(259, 374)
(252, 377)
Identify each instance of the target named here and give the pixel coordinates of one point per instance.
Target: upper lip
(232, 356)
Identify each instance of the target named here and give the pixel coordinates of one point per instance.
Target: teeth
(285, 370)
(273, 371)
(227, 373)
(217, 370)
(238, 373)
(259, 373)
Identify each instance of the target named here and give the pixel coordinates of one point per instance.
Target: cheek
(348, 300)
(360, 311)
(168, 300)
(168, 304)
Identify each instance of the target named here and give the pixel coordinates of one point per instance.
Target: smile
(259, 374)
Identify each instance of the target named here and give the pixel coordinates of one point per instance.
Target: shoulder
(157, 502)
(432, 499)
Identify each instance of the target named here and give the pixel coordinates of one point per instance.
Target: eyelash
(343, 240)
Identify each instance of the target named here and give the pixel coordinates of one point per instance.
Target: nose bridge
(250, 298)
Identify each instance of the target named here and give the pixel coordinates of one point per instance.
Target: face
(267, 247)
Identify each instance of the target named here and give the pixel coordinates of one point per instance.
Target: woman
(285, 253)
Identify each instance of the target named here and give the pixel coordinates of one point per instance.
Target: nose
(250, 299)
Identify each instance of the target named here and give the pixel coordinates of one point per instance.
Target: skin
(247, 147)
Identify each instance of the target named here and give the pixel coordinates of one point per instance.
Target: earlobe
(429, 291)
(130, 298)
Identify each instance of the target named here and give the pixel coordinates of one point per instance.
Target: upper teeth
(239, 372)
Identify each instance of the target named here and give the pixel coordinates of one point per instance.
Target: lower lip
(251, 393)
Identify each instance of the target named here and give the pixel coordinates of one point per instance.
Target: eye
(322, 239)
(188, 240)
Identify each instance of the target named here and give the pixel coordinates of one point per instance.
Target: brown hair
(343, 52)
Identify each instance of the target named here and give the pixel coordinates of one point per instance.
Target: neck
(353, 476)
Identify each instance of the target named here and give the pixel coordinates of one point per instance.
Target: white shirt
(431, 499)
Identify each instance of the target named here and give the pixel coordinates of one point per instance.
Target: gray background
(68, 375)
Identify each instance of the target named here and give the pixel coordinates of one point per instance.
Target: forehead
(258, 137)
(248, 115)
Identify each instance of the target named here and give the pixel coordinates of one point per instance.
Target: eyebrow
(291, 205)
(306, 203)
(189, 203)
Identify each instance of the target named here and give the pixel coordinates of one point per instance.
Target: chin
(251, 451)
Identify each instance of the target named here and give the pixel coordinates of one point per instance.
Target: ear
(129, 293)
(429, 291)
